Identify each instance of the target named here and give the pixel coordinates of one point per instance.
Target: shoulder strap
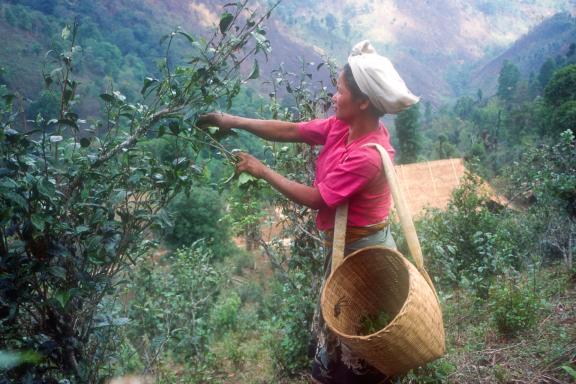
(403, 213)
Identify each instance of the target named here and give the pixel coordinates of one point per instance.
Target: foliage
(561, 88)
(437, 372)
(480, 244)
(77, 204)
(298, 266)
(559, 94)
(224, 314)
(408, 131)
(514, 306)
(170, 305)
(508, 81)
(197, 215)
(546, 175)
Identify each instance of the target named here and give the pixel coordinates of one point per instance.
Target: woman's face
(345, 106)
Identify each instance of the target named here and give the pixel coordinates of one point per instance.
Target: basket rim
(396, 318)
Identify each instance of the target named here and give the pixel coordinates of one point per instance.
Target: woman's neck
(362, 126)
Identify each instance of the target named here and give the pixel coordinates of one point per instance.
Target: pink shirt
(349, 172)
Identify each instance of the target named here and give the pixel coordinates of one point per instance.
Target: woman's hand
(221, 120)
(250, 164)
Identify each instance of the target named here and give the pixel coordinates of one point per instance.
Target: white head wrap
(379, 80)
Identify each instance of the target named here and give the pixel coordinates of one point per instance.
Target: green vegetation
(370, 324)
(117, 227)
(408, 132)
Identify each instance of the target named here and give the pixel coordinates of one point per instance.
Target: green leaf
(9, 359)
(65, 33)
(255, 71)
(148, 82)
(46, 188)
(570, 371)
(85, 142)
(38, 221)
(58, 272)
(81, 229)
(225, 21)
(245, 178)
(8, 183)
(107, 98)
(63, 297)
(188, 36)
(16, 198)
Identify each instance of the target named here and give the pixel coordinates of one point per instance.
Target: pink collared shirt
(349, 172)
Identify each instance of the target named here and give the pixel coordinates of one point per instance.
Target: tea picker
(367, 283)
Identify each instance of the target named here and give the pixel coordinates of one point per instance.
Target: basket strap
(339, 238)
(403, 212)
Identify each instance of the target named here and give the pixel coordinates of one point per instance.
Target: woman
(346, 170)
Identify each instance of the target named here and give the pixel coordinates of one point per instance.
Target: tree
(330, 21)
(408, 131)
(464, 107)
(564, 117)
(508, 81)
(76, 207)
(560, 97)
(546, 72)
(427, 114)
(444, 149)
(562, 86)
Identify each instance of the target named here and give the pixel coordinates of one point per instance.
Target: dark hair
(355, 90)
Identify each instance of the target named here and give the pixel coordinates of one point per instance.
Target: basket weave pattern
(374, 279)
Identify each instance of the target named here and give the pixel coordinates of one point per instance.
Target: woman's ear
(365, 105)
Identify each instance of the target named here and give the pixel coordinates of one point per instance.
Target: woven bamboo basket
(376, 279)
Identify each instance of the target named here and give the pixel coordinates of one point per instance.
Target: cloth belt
(355, 233)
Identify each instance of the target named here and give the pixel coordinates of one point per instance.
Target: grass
(476, 351)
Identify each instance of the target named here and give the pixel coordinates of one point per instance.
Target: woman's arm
(274, 130)
(298, 193)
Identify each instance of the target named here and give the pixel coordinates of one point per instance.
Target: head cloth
(379, 80)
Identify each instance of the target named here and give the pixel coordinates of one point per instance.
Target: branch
(132, 140)
(129, 142)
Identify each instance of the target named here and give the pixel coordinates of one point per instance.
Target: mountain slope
(435, 45)
(551, 38)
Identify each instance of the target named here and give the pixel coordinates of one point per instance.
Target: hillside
(434, 45)
(551, 38)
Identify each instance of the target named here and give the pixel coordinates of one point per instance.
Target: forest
(129, 247)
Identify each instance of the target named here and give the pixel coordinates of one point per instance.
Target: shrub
(224, 314)
(468, 243)
(171, 303)
(514, 306)
(197, 215)
(437, 372)
(77, 205)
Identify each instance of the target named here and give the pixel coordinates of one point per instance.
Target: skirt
(333, 362)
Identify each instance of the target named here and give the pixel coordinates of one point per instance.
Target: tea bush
(79, 198)
(514, 306)
(482, 242)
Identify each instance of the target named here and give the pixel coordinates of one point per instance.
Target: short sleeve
(349, 177)
(315, 132)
